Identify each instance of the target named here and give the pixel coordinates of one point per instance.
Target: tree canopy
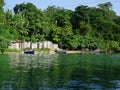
(84, 28)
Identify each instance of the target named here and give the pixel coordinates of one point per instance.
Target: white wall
(34, 45)
(55, 46)
(26, 45)
(39, 45)
(47, 44)
(14, 46)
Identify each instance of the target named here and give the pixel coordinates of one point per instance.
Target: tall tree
(33, 19)
(1, 5)
(60, 27)
(107, 5)
(4, 31)
(79, 15)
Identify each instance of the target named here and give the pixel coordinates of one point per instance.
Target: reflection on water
(60, 72)
(28, 62)
(31, 70)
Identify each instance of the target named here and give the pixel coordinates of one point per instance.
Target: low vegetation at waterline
(43, 50)
(84, 28)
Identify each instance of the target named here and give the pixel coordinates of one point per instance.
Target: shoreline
(67, 52)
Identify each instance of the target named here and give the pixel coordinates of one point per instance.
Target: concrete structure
(26, 45)
(55, 47)
(39, 45)
(16, 45)
(47, 44)
(33, 45)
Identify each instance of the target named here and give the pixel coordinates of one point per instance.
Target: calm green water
(60, 72)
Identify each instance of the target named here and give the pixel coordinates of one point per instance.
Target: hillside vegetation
(84, 28)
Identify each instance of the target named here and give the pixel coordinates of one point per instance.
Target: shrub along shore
(48, 51)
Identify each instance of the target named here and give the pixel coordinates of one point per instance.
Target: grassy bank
(44, 50)
(13, 50)
(21, 51)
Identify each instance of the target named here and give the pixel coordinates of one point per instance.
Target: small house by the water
(16, 45)
(39, 45)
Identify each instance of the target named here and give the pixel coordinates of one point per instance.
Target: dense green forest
(84, 28)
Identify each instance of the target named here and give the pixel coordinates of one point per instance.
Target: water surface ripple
(60, 72)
